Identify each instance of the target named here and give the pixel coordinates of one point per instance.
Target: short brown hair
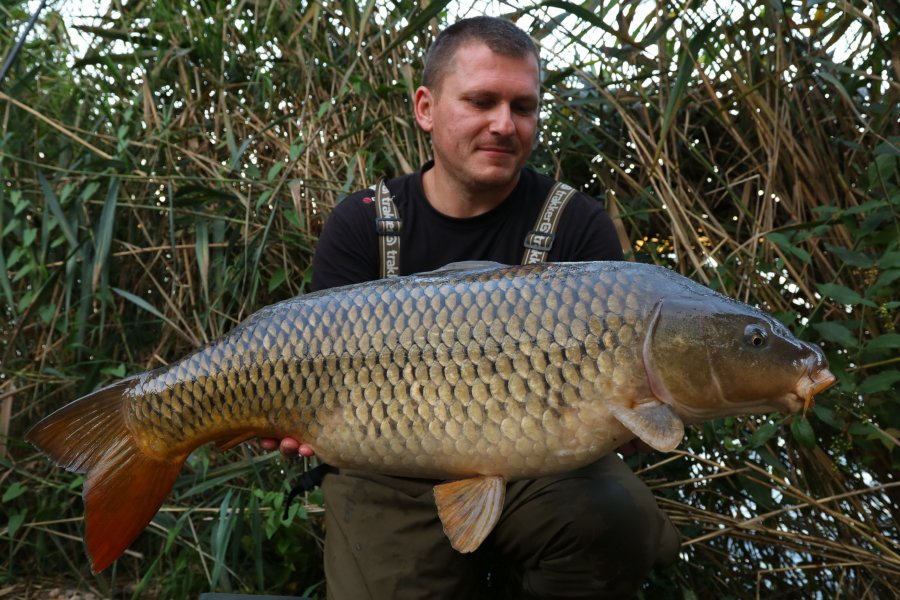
(501, 36)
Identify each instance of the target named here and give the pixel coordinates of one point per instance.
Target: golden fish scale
(434, 376)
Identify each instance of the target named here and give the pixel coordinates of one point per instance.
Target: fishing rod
(8, 63)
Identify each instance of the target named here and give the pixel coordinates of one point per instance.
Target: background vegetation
(166, 176)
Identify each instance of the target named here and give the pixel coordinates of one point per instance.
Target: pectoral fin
(657, 424)
(469, 509)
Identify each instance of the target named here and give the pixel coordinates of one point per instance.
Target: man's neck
(453, 199)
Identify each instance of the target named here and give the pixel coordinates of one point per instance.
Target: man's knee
(605, 523)
(603, 534)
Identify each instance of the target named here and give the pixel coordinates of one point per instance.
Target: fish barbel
(477, 373)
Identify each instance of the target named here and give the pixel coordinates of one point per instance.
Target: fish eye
(755, 336)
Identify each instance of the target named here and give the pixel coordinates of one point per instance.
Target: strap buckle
(388, 225)
(540, 241)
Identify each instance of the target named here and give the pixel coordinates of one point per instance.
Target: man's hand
(290, 447)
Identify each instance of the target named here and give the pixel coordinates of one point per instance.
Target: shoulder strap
(539, 240)
(387, 225)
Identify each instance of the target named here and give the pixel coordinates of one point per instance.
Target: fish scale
(478, 374)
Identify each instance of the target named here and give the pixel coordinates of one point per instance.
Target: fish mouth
(811, 384)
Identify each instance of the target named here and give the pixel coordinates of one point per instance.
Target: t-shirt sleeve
(587, 232)
(347, 251)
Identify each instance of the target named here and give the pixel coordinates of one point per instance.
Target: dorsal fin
(465, 265)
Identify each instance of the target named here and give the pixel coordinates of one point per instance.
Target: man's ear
(424, 103)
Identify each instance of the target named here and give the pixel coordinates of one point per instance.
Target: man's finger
(289, 447)
(306, 450)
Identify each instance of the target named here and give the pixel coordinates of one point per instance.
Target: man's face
(482, 117)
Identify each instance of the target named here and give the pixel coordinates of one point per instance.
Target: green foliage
(165, 181)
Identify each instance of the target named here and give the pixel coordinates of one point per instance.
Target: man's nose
(502, 121)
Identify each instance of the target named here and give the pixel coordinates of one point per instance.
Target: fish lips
(817, 378)
(812, 383)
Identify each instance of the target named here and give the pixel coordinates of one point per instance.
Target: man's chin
(496, 176)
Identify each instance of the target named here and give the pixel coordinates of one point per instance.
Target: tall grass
(170, 179)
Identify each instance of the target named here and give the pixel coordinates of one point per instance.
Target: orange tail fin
(124, 486)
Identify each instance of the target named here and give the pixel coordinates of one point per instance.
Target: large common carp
(477, 374)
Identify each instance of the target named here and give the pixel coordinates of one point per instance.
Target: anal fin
(655, 424)
(231, 443)
(469, 509)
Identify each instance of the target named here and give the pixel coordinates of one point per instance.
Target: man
(592, 533)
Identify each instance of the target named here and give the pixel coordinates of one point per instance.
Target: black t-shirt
(348, 250)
